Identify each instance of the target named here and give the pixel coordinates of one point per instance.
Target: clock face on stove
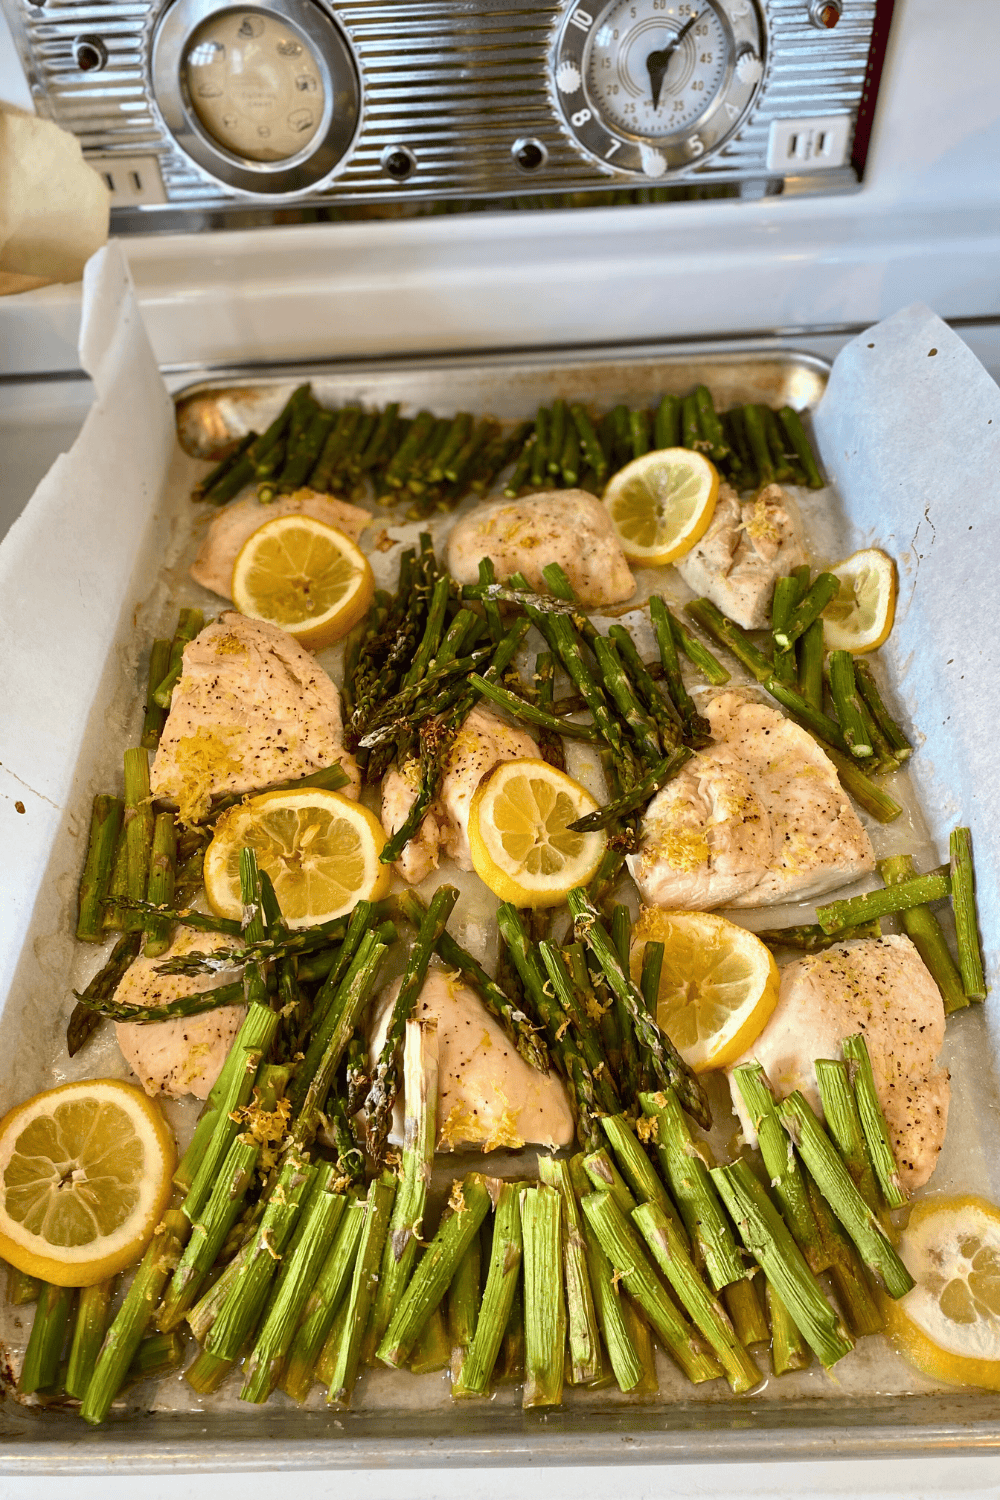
(651, 86)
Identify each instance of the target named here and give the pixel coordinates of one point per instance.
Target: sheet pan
(848, 1415)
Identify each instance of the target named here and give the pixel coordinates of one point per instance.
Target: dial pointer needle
(658, 62)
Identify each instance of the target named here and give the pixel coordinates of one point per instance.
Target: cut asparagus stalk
(924, 931)
(544, 1307)
(662, 621)
(223, 1127)
(21, 1288)
(820, 1156)
(848, 705)
(667, 1063)
(209, 1231)
(470, 1203)
(105, 826)
(812, 939)
(861, 787)
(238, 1315)
(156, 1356)
(502, 1279)
(463, 1306)
(638, 796)
(155, 717)
(873, 1122)
(851, 1282)
(420, 1091)
(511, 1362)
(606, 1178)
(809, 651)
(783, 1170)
(626, 1362)
(432, 1351)
(584, 1337)
(638, 1170)
(326, 1363)
(686, 1172)
(160, 889)
(133, 1317)
(623, 1249)
(789, 1350)
(641, 1340)
(381, 1193)
(743, 1306)
(671, 1255)
(824, 588)
(769, 1242)
(137, 826)
(40, 1369)
(323, 1302)
(963, 891)
(844, 1124)
(916, 892)
(189, 624)
(298, 1274)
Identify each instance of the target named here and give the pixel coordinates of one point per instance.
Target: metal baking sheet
(394, 1425)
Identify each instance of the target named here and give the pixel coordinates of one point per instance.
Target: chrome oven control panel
(198, 105)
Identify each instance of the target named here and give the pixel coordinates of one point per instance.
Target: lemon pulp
(522, 846)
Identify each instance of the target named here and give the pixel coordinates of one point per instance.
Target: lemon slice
(949, 1324)
(718, 984)
(860, 615)
(320, 849)
(522, 846)
(661, 504)
(85, 1174)
(304, 576)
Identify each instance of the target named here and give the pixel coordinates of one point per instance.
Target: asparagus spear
(432, 1351)
(872, 698)
(189, 624)
(840, 1110)
(590, 444)
(616, 1328)
(783, 1169)
(789, 1350)
(420, 1091)
(670, 1252)
(655, 778)
(743, 1306)
(544, 1308)
(924, 931)
(852, 1285)
(498, 1297)
(105, 825)
(528, 713)
(49, 1326)
(765, 1236)
(470, 1203)
(324, 1300)
(667, 428)
(637, 1169)
(915, 892)
(669, 1067)
(463, 1306)
(686, 1172)
(385, 1078)
(873, 1122)
(787, 592)
(809, 651)
(133, 1317)
(753, 420)
(697, 652)
(796, 434)
(834, 1181)
(849, 708)
(696, 728)
(214, 476)
(587, 1038)
(812, 938)
(209, 1230)
(963, 887)
(137, 825)
(623, 1248)
(160, 888)
(583, 1333)
(85, 1015)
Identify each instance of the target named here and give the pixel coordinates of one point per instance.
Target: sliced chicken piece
(747, 546)
(706, 837)
(817, 839)
(484, 741)
(758, 818)
(488, 1095)
(183, 1056)
(879, 987)
(251, 708)
(568, 527)
(236, 522)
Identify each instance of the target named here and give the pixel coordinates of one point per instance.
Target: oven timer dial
(652, 86)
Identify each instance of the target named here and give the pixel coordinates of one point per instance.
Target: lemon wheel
(320, 849)
(85, 1174)
(718, 983)
(949, 1324)
(860, 615)
(305, 577)
(522, 846)
(661, 504)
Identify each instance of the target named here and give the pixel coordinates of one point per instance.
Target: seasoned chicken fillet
(183, 1056)
(251, 708)
(488, 1095)
(236, 522)
(756, 819)
(747, 546)
(880, 987)
(484, 741)
(568, 527)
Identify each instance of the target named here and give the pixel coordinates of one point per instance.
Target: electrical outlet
(812, 145)
(131, 180)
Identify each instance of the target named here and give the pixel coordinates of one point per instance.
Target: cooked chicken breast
(747, 546)
(758, 818)
(183, 1056)
(236, 522)
(880, 987)
(251, 708)
(488, 1095)
(484, 741)
(568, 527)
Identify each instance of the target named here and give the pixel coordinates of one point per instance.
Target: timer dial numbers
(653, 86)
